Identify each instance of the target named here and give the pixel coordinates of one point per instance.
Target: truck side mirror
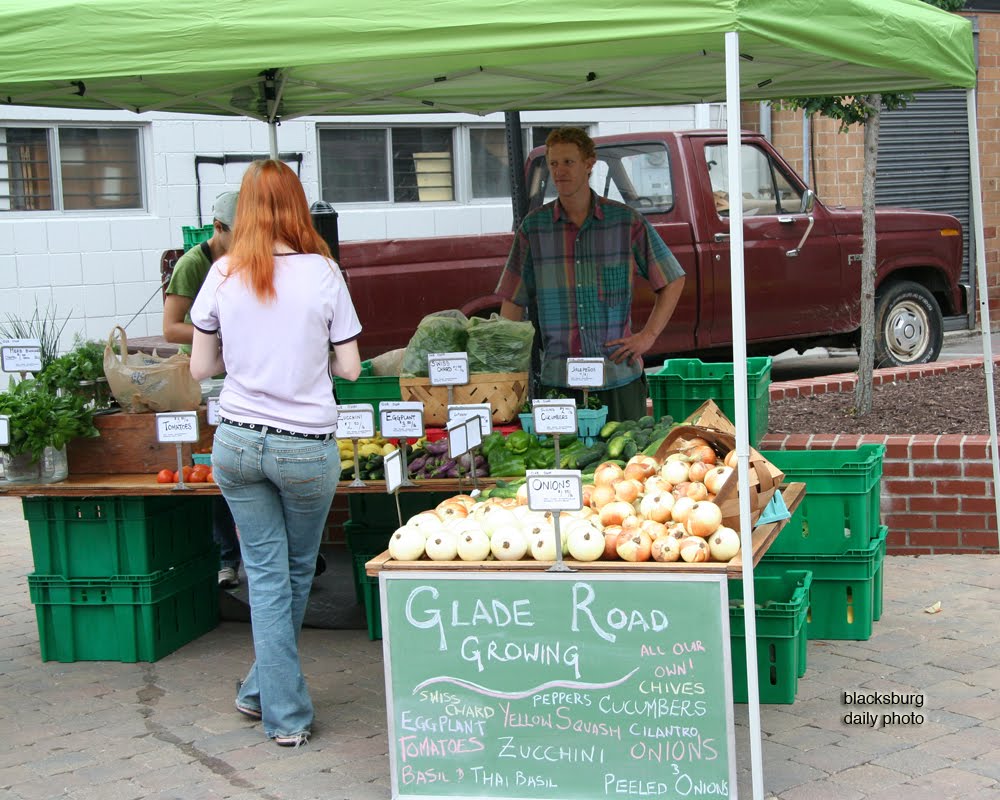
(808, 202)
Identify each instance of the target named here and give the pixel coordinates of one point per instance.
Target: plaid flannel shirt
(581, 278)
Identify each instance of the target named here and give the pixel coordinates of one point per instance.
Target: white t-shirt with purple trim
(277, 353)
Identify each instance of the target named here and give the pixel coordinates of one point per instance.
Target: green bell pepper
(518, 441)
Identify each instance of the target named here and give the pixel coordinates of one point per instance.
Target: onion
(730, 460)
(508, 544)
(543, 546)
(449, 509)
(716, 477)
(724, 544)
(693, 549)
(665, 549)
(611, 533)
(657, 507)
(522, 494)
(628, 489)
(634, 545)
(698, 470)
(703, 453)
(407, 543)
(586, 543)
(653, 528)
(473, 545)
(586, 492)
(608, 474)
(697, 491)
(704, 519)
(682, 507)
(497, 517)
(601, 496)
(674, 472)
(442, 546)
(656, 484)
(427, 521)
(680, 489)
(616, 512)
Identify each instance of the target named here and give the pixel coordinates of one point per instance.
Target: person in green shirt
(187, 278)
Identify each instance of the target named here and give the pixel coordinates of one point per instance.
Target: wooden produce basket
(505, 391)
(713, 426)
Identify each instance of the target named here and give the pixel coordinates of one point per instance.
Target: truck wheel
(909, 328)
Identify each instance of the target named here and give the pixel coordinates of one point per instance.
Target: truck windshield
(635, 173)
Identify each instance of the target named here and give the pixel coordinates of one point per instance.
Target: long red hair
(272, 208)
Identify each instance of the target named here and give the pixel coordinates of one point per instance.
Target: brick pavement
(167, 730)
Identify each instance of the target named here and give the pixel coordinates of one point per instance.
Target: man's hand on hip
(631, 348)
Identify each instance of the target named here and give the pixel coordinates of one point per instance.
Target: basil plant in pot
(40, 423)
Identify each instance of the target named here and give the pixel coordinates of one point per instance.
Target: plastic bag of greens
(440, 332)
(499, 345)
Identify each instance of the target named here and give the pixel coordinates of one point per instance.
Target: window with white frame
(406, 164)
(70, 168)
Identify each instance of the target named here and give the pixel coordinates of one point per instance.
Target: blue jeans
(279, 489)
(224, 534)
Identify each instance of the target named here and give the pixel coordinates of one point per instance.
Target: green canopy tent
(282, 59)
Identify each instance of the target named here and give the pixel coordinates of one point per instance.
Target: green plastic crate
(683, 384)
(840, 509)
(196, 234)
(368, 388)
(97, 537)
(782, 601)
(842, 598)
(125, 618)
(378, 510)
(879, 573)
(370, 596)
(365, 541)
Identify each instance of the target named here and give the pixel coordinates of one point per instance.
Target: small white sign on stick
(4, 431)
(481, 411)
(458, 438)
(585, 372)
(21, 355)
(448, 369)
(212, 411)
(355, 421)
(474, 431)
(393, 471)
(554, 489)
(177, 426)
(401, 420)
(554, 416)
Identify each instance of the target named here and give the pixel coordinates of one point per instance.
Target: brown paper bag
(143, 382)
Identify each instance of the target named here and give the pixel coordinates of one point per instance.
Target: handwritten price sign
(585, 372)
(21, 355)
(355, 421)
(448, 369)
(401, 420)
(177, 426)
(554, 416)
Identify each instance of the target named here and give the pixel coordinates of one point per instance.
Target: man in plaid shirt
(575, 257)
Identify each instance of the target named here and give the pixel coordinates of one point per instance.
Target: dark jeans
(625, 402)
(224, 534)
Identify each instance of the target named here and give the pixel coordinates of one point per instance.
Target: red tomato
(196, 477)
(165, 476)
(176, 477)
(209, 476)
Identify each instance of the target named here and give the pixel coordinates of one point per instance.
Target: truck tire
(909, 328)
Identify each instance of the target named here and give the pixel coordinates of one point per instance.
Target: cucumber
(591, 455)
(647, 421)
(630, 449)
(608, 430)
(628, 425)
(616, 446)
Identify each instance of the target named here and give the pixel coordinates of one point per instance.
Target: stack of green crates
(121, 578)
(835, 533)
(683, 384)
(372, 521)
(368, 388)
(781, 602)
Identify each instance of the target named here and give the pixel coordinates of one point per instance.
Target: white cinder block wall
(103, 270)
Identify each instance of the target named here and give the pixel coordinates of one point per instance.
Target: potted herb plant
(40, 423)
(79, 372)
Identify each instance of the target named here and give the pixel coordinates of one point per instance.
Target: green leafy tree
(864, 110)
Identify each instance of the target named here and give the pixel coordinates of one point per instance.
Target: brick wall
(937, 491)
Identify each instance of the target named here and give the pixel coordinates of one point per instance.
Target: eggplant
(438, 448)
(444, 470)
(417, 464)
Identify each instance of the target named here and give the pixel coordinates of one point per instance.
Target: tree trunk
(866, 348)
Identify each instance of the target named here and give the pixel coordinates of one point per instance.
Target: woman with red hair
(275, 316)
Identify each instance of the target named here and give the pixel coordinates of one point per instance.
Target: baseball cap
(224, 208)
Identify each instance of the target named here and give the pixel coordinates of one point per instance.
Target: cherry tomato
(165, 476)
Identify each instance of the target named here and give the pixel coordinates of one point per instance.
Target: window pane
(353, 165)
(100, 168)
(25, 174)
(422, 165)
(490, 165)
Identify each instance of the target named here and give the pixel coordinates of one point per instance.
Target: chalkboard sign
(558, 686)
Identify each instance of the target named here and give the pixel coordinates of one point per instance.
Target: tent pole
(272, 138)
(734, 142)
(982, 292)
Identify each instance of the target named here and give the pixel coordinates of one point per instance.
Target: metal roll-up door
(923, 162)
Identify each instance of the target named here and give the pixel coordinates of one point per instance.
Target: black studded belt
(253, 426)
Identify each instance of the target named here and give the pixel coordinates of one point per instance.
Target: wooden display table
(763, 536)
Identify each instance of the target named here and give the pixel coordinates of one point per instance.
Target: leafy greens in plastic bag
(498, 344)
(440, 332)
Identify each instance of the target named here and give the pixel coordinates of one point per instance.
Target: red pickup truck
(802, 262)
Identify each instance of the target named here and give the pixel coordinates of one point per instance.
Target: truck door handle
(721, 237)
(795, 253)
(786, 220)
